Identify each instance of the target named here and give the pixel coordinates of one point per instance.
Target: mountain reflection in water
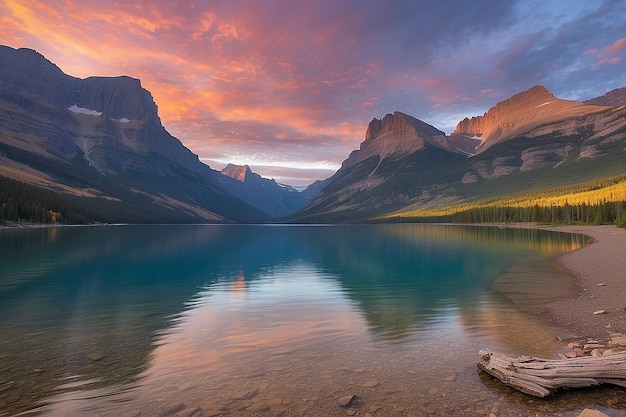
(111, 319)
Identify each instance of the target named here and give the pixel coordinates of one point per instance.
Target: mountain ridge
(100, 140)
(531, 135)
(615, 98)
(520, 113)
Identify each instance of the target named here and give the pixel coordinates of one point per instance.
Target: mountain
(519, 114)
(613, 98)
(99, 142)
(95, 150)
(265, 194)
(532, 141)
(398, 155)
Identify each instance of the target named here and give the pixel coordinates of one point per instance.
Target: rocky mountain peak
(497, 117)
(116, 97)
(238, 172)
(396, 133)
(400, 126)
(519, 114)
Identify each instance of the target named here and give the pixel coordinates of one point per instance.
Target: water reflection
(95, 317)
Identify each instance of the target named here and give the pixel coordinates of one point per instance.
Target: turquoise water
(274, 320)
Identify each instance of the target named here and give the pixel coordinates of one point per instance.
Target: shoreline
(599, 268)
(598, 309)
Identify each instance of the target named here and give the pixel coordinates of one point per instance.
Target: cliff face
(111, 121)
(118, 120)
(395, 134)
(238, 172)
(519, 114)
(101, 137)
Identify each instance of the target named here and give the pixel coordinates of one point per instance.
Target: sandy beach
(600, 269)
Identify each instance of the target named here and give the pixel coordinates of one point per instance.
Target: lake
(207, 320)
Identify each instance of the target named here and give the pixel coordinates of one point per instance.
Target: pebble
(95, 356)
(617, 340)
(370, 384)
(13, 398)
(592, 413)
(591, 346)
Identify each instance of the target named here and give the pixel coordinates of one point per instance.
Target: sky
(289, 87)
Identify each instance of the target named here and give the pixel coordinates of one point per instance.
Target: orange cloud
(279, 74)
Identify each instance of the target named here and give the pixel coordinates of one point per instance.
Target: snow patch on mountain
(81, 110)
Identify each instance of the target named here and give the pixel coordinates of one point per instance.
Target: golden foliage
(610, 190)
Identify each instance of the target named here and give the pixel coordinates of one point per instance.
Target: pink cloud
(607, 54)
(267, 76)
(618, 45)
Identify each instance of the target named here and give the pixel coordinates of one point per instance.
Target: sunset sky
(288, 87)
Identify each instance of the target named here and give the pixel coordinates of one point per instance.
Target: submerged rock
(347, 400)
(95, 356)
(370, 384)
(592, 413)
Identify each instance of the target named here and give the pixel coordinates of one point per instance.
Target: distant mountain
(99, 141)
(613, 98)
(531, 141)
(266, 194)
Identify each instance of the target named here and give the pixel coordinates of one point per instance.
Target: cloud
(286, 82)
(610, 54)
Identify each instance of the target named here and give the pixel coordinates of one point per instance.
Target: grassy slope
(185, 199)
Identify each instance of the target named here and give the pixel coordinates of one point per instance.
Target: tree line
(21, 202)
(602, 212)
(25, 203)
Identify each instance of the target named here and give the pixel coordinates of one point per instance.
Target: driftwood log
(541, 377)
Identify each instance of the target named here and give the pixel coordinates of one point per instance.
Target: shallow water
(276, 320)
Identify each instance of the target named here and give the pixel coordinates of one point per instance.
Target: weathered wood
(541, 377)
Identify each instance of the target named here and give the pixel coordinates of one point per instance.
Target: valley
(99, 146)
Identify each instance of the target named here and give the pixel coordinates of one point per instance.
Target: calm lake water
(276, 320)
